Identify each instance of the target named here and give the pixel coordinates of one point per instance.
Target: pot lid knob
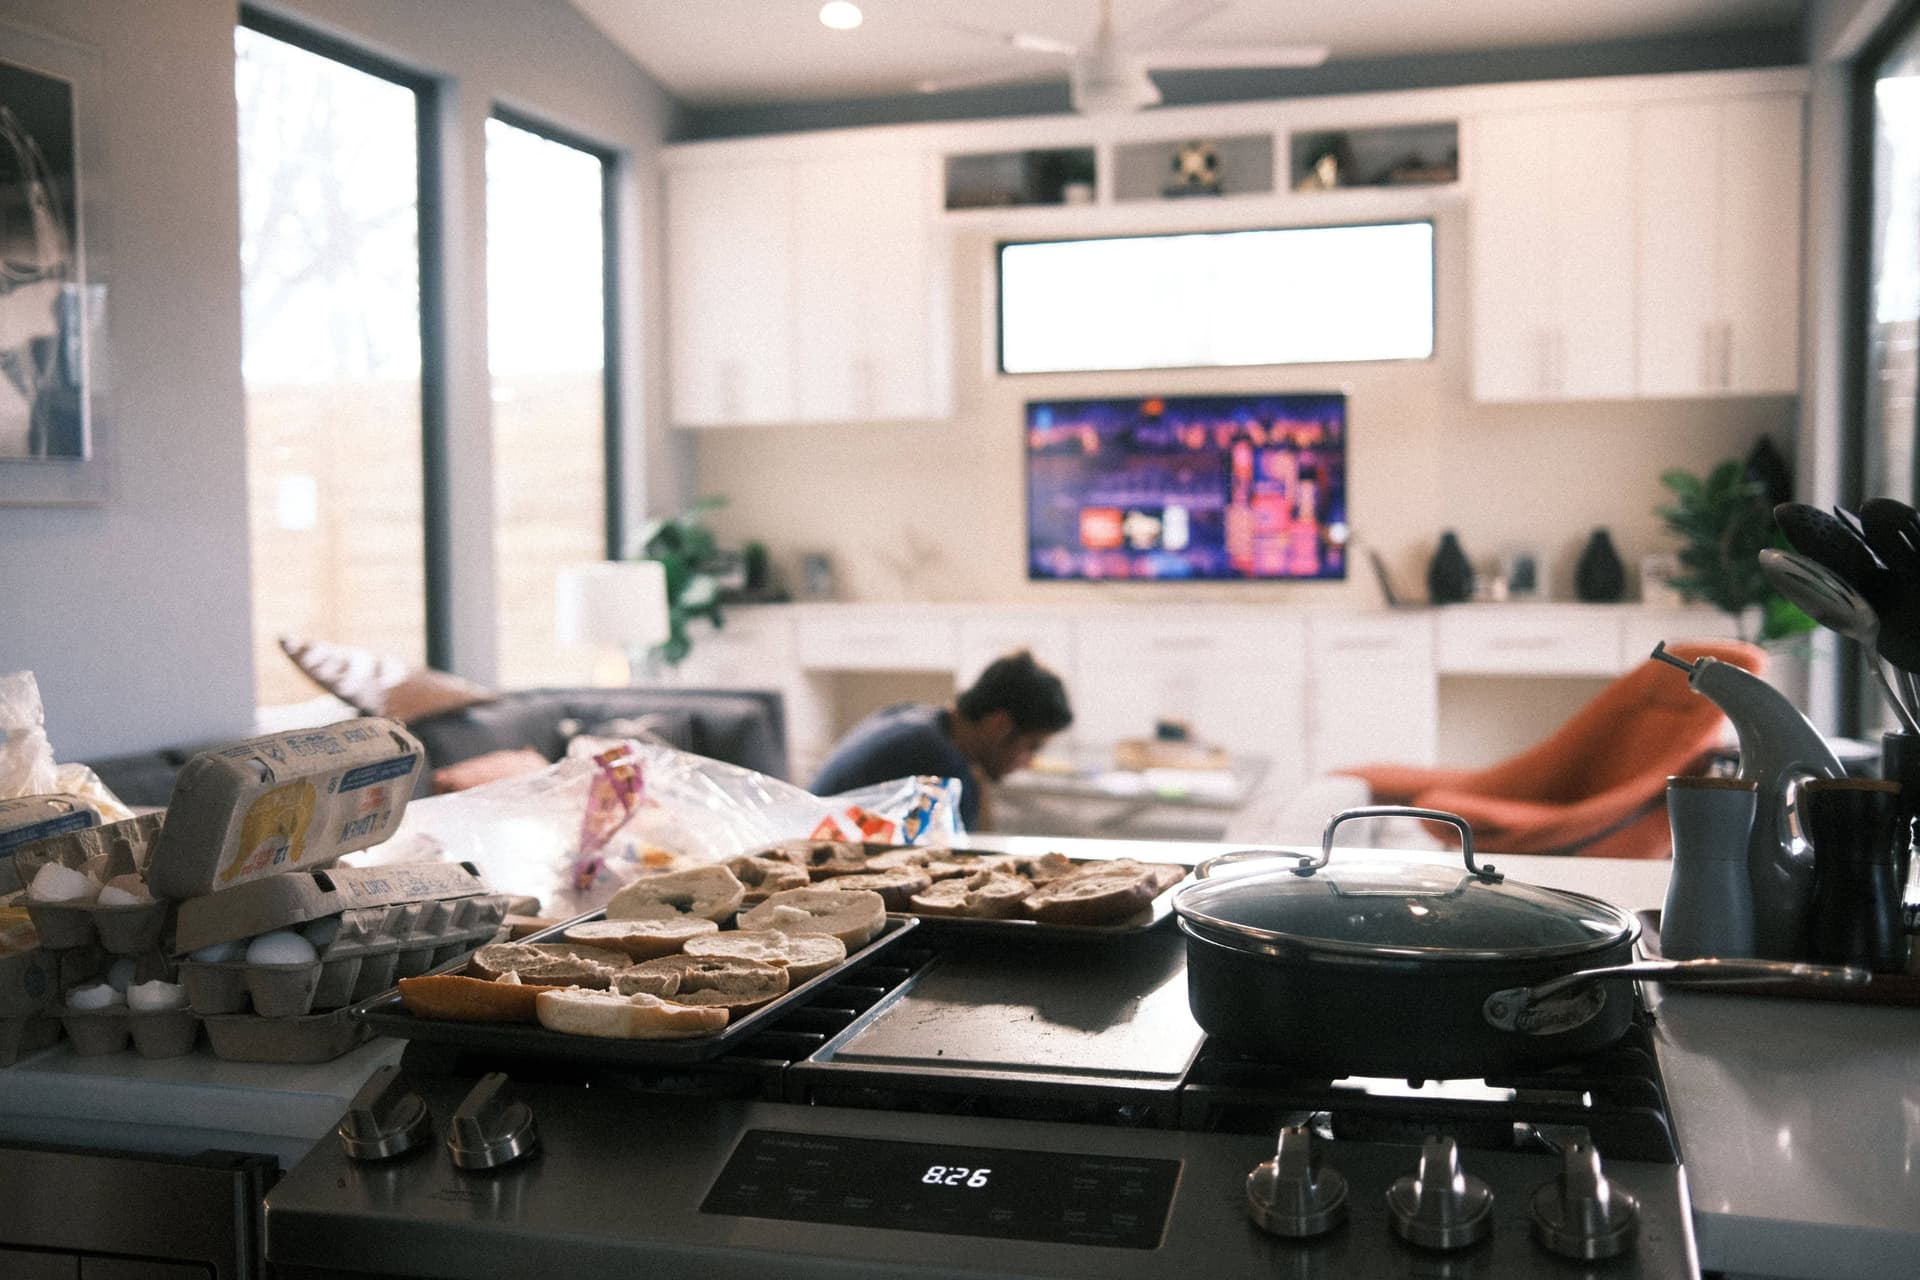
(385, 1119)
(1294, 1194)
(1581, 1214)
(489, 1129)
(1440, 1205)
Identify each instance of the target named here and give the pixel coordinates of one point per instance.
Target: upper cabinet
(1719, 233)
(1648, 249)
(806, 290)
(1552, 253)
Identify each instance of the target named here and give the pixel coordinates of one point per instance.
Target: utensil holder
(1855, 914)
(1900, 762)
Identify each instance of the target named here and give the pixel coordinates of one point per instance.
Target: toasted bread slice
(642, 939)
(616, 1017)
(711, 892)
(854, 917)
(560, 964)
(1092, 898)
(802, 955)
(730, 981)
(451, 997)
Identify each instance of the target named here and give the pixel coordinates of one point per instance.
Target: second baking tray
(387, 1015)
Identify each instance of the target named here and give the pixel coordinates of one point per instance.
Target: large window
(546, 351)
(1294, 296)
(331, 255)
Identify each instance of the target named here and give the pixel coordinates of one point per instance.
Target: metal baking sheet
(388, 1016)
(1056, 1012)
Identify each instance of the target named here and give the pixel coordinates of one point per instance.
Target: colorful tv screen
(1215, 488)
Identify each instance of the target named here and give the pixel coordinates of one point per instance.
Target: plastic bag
(573, 833)
(27, 767)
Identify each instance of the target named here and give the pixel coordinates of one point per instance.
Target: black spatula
(1893, 532)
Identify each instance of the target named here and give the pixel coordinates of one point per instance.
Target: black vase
(1600, 578)
(1449, 576)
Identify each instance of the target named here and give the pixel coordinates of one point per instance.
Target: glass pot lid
(1400, 908)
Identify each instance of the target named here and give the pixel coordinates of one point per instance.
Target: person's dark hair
(1025, 690)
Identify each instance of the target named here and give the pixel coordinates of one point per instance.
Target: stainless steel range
(985, 1108)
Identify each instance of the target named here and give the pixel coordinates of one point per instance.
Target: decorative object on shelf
(614, 605)
(686, 551)
(816, 576)
(1658, 569)
(1768, 468)
(1723, 520)
(1523, 573)
(1600, 578)
(1415, 170)
(1328, 161)
(1449, 574)
(1196, 170)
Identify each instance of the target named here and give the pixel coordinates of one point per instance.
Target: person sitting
(989, 730)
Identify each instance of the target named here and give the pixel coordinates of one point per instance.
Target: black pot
(1416, 970)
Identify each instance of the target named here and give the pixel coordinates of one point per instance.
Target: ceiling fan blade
(1025, 41)
(1175, 18)
(987, 77)
(1290, 56)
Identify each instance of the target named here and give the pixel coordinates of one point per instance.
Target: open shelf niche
(1400, 155)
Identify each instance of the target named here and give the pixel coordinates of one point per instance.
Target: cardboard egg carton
(101, 853)
(292, 801)
(384, 923)
(26, 819)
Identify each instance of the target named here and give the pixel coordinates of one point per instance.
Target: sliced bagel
(451, 997)
(1045, 867)
(634, 981)
(733, 982)
(990, 895)
(853, 917)
(894, 886)
(827, 858)
(711, 892)
(887, 858)
(642, 939)
(557, 964)
(1094, 898)
(763, 874)
(617, 1017)
(802, 955)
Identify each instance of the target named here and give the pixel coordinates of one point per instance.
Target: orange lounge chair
(1598, 785)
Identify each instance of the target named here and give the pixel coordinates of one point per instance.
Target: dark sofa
(746, 727)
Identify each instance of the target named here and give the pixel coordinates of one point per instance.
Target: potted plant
(1723, 521)
(686, 549)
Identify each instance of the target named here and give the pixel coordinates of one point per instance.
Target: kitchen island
(1798, 1121)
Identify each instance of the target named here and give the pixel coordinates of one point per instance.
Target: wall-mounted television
(1216, 488)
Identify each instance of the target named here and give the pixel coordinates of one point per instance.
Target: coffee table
(1084, 795)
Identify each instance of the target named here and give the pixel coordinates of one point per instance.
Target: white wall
(133, 615)
(937, 512)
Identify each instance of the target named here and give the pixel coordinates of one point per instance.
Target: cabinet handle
(729, 375)
(1522, 642)
(1707, 332)
(1726, 354)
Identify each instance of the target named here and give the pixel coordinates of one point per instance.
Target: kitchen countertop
(1799, 1121)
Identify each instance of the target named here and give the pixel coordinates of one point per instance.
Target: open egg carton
(273, 965)
(93, 962)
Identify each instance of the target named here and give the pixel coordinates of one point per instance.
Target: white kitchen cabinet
(1528, 640)
(730, 343)
(1374, 693)
(869, 292)
(806, 290)
(1719, 237)
(988, 634)
(1235, 677)
(1552, 254)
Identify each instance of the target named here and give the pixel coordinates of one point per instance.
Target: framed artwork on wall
(53, 291)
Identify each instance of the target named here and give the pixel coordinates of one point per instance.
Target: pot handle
(1205, 869)
(1508, 1009)
(1309, 865)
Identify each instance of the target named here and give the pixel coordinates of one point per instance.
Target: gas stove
(967, 1108)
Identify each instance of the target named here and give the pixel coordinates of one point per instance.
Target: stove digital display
(1051, 1196)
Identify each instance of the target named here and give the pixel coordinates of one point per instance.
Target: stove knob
(1293, 1194)
(489, 1129)
(385, 1119)
(1582, 1215)
(1439, 1205)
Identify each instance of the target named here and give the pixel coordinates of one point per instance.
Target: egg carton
(319, 1037)
(372, 948)
(126, 930)
(26, 1034)
(153, 1033)
(101, 853)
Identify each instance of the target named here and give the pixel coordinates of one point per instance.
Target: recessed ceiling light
(841, 15)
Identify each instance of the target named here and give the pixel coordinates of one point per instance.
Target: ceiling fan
(1110, 73)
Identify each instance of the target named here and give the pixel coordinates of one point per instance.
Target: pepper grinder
(1709, 907)
(1855, 913)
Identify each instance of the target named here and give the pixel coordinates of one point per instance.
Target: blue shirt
(901, 741)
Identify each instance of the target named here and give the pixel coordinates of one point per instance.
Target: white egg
(57, 883)
(322, 932)
(282, 946)
(121, 975)
(114, 896)
(150, 997)
(132, 886)
(216, 952)
(99, 995)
